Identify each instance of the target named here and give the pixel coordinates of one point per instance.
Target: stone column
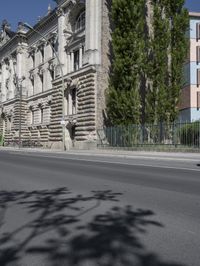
(12, 77)
(33, 84)
(69, 103)
(3, 81)
(61, 36)
(80, 56)
(19, 63)
(93, 32)
(72, 61)
(45, 80)
(68, 63)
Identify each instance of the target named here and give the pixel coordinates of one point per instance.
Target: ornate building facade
(49, 97)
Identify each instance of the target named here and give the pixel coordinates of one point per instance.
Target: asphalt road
(89, 210)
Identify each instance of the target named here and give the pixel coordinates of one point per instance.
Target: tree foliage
(147, 69)
(123, 99)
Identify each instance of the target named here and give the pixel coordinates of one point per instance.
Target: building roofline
(194, 14)
(41, 23)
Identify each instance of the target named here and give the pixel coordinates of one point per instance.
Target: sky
(23, 10)
(29, 10)
(193, 5)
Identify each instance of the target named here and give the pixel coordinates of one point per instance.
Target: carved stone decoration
(31, 50)
(15, 79)
(6, 33)
(68, 82)
(68, 37)
(21, 28)
(74, 83)
(7, 83)
(52, 37)
(51, 65)
(20, 49)
(40, 71)
(30, 105)
(41, 44)
(10, 113)
(60, 12)
(31, 75)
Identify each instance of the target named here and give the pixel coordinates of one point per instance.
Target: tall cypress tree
(141, 58)
(156, 97)
(179, 20)
(169, 49)
(123, 98)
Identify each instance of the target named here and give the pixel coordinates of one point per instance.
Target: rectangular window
(198, 54)
(53, 44)
(52, 73)
(42, 54)
(42, 115)
(32, 83)
(42, 81)
(32, 117)
(36, 117)
(76, 60)
(198, 77)
(33, 59)
(46, 115)
(73, 95)
(9, 124)
(198, 31)
(198, 100)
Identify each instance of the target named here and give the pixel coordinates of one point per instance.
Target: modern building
(33, 81)
(190, 94)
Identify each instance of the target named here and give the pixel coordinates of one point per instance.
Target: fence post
(160, 124)
(175, 133)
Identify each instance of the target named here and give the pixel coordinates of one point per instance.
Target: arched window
(80, 22)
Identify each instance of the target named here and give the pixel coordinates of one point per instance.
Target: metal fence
(1, 140)
(182, 135)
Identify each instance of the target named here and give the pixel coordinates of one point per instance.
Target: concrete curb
(109, 153)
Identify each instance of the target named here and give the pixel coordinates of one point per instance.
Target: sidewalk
(108, 153)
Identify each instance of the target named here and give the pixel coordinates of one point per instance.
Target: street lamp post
(20, 111)
(62, 77)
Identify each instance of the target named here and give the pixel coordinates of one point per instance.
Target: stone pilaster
(93, 32)
(61, 38)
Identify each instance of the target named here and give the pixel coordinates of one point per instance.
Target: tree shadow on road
(84, 234)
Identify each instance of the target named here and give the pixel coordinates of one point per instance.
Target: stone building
(52, 89)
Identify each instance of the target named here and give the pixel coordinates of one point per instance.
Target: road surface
(75, 209)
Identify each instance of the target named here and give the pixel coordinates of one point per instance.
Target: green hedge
(189, 134)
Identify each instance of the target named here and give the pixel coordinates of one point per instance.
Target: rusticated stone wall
(85, 126)
(105, 67)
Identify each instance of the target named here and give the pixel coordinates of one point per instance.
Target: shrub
(1, 140)
(189, 134)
